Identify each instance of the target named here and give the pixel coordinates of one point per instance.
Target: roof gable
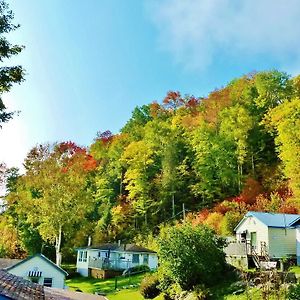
(43, 257)
(272, 219)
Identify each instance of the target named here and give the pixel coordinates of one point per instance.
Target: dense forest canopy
(209, 159)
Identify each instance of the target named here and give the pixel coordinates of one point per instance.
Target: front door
(253, 240)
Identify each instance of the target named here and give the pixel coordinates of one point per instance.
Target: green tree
(236, 123)
(214, 164)
(285, 120)
(8, 74)
(54, 195)
(190, 255)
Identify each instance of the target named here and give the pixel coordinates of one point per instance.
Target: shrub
(190, 255)
(149, 286)
(137, 269)
(294, 292)
(201, 292)
(142, 268)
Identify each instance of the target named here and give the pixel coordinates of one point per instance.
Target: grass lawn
(132, 294)
(107, 286)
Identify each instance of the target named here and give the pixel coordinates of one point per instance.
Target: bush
(294, 292)
(137, 269)
(201, 292)
(190, 255)
(149, 286)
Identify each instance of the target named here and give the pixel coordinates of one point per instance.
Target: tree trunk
(57, 247)
(239, 178)
(173, 205)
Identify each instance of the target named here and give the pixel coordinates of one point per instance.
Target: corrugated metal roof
(273, 219)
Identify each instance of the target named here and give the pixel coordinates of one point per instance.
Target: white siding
(36, 263)
(82, 266)
(298, 245)
(252, 224)
(282, 242)
(153, 261)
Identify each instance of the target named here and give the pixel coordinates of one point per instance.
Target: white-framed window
(102, 254)
(80, 256)
(84, 259)
(48, 282)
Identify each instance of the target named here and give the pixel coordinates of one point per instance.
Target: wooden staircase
(263, 257)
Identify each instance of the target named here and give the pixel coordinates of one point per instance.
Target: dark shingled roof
(8, 262)
(15, 287)
(119, 248)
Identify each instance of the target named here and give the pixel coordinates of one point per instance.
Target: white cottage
(113, 257)
(39, 269)
(264, 237)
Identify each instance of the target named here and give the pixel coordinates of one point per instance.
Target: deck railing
(236, 248)
(108, 264)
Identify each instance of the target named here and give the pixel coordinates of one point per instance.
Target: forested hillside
(237, 149)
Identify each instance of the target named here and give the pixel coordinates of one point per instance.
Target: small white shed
(272, 233)
(41, 270)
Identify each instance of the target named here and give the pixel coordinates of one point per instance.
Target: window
(103, 254)
(135, 258)
(34, 279)
(84, 259)
(48, 282)
(80, 255)
(145, 259)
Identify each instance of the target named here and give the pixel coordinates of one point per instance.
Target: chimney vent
(89, 241)
(119, 243)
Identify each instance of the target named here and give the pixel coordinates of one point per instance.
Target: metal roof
(272, 219)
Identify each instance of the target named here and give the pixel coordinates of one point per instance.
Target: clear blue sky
(89, 63)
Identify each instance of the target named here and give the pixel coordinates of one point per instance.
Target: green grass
(132, 294)
(92, 285)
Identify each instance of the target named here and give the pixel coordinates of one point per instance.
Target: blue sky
(89, 63)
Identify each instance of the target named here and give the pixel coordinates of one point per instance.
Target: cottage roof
(8, 262)
(42, 257)
(272, 219)
(119, 248)
(18, 288)
(14, 287)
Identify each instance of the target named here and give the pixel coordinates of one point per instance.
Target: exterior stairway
(263, 258)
